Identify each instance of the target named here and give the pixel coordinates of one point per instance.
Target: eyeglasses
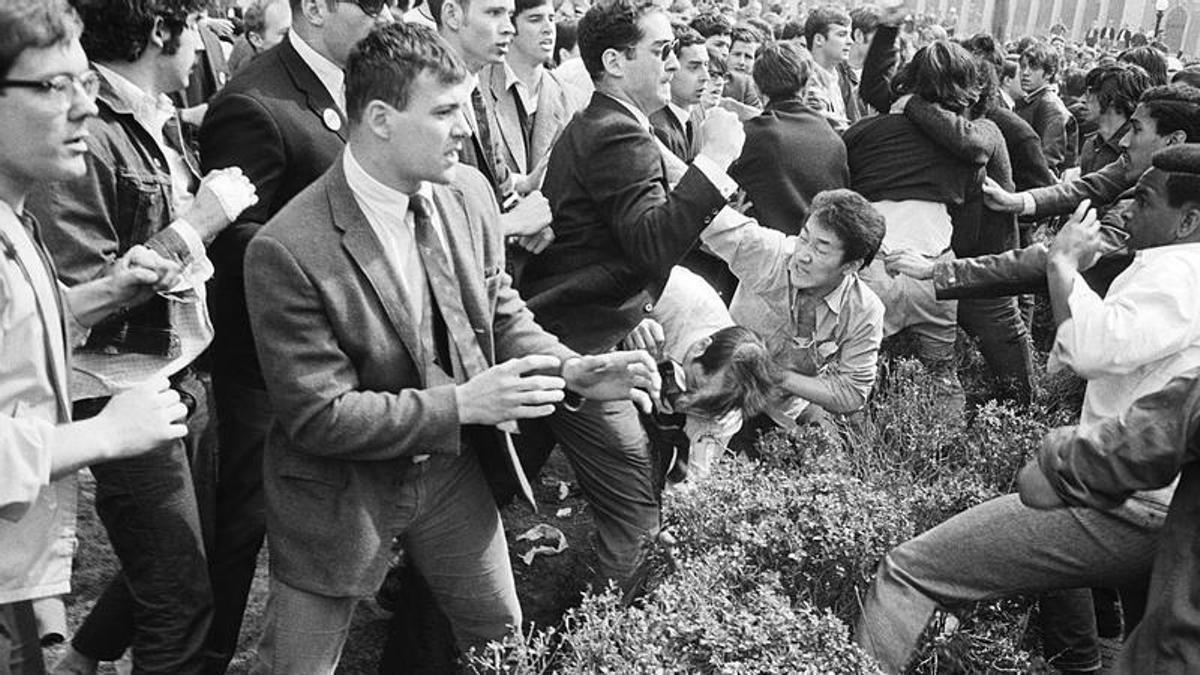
(61, 85)
(664, 52)
(372, 8)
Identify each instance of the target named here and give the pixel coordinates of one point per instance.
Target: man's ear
(159, 34)
(452, 15)
(254, 39)
(858, 36)
(377, 116)
(613, 60)
(818, 41)
(1176, 137)
(314, 11)
(1190, 224)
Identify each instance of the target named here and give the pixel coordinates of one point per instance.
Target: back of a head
(1174, 107)
(781, 70)
(254, 18)
(792, 30)
(857, 223)
(985, 46)
(746, 33)
(942, 73)
(710, 24)
(1074, 83)
(820, 19)
(119, 32)
(1118, 86)
(34, 24)
(566, 36)
(1150, 59)
(384, 65)
(751, 377)
(864, 20)
(1189, 76)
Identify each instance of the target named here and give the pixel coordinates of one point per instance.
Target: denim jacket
(124, 199)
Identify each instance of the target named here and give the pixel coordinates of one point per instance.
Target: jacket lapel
(506, 118)
(551, 116)
(364, 249)
(319, 101)
(466, 255)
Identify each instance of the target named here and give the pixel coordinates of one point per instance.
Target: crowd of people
(341, 278)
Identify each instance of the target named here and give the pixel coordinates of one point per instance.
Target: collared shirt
(328, 72)
(715, 174)
(387, 213)
(1099, 151)
(831, 83)
(97, 374)
(1145, 331)
(37, 516)
(849, 319)
(527, 94)
(683, 115)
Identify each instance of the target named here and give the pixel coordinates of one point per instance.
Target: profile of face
(535, 35)
(741, 56)
(691, 80)
(834, 45)
(719, 44)
(42, 137)
(1093, 107)
(343, 25)
(277, 19)
(816, 263)
(426, 137)
(1142, 141)
(486, 30)
(648, 66)
(1151, 220)
(176, 67)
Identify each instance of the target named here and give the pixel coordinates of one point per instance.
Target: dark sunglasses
(664, 53)
(372, 8)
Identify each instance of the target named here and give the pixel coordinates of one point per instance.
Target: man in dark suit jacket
(791, 152)
(380, 308)
(280, 121)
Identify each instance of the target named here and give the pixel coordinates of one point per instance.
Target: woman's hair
(750, 380)
(942, 73)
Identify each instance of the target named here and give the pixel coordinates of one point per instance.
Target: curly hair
(943, 73)
(34, 24)
(1150, 59)
(1043, 56)
(610, 25)
(119, 30)
(1182, 162)
(710, 24)
(1118, 86)
(821, 18)
(1174, 107)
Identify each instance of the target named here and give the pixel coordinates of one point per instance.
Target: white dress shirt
(1130, 343)
(329, 73)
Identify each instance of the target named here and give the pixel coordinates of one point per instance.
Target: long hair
(750, 379)
(943, 73)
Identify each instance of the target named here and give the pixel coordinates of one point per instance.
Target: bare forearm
(91, 302)
(822, 392)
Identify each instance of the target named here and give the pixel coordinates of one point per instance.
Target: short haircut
(118, 31)
(610, 25)
(1040, 55)
(942, 73)
(746, 34)
(764, 27)
(865, 18)
(1182, 164)
(750, 384)
(781, 70)
(1174, 107)
(851, 217)
(520, 6)
(1150, 59)
(1010, 69)
(1074, 83)
(685, 36)
(1118, 87)
(1189, 76)
(384, 65)
(711, 23)
(821, 18)
(566, 36)
(34, 24)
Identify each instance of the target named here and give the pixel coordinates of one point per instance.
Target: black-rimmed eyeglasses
(60, 85)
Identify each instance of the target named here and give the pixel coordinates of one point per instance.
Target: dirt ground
(547, 587)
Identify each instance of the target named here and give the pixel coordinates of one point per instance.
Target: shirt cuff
(1028, 204)
(191, 238)
(716, 175)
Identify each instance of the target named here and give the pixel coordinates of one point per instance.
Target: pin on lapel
(333, 121)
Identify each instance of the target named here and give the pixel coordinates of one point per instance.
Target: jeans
(911, 305)
(20, 648)
(239, 518)
(610, 455)
(1003, 341)
(451, 530)
(160, 603)
(996, 549)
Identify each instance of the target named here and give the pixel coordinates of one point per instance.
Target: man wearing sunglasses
(618, 230)
(282, 120)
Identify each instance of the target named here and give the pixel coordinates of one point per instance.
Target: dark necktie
(803, 357)
(447, 299)
(483, 136)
